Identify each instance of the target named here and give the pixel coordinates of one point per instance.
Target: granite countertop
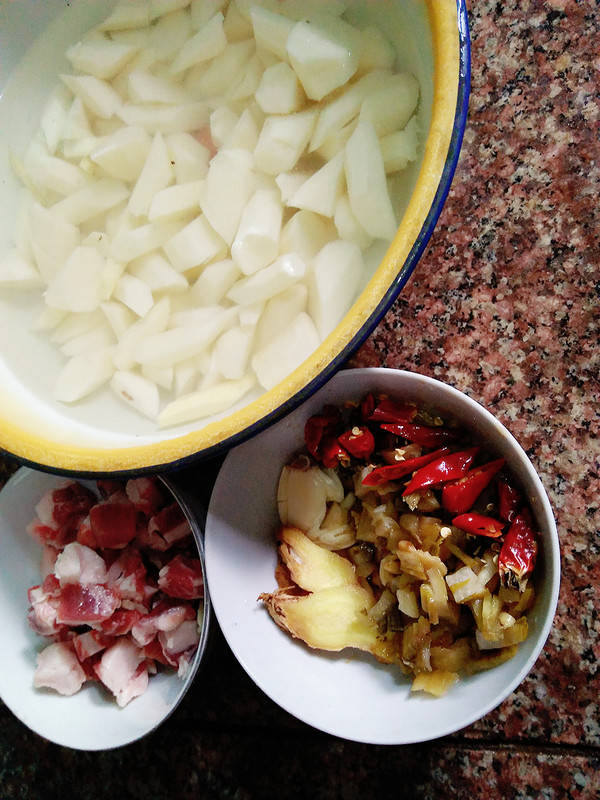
(503, 305)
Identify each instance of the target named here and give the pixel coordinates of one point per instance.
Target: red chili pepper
(391, 472)
(459, 496)
(388, 410)
(517, 556)
(447, 468)
(331, 452)
(479, 525)
(509, 501)
(358, 441)
(420, 434)
(367, 406)
(318, 426)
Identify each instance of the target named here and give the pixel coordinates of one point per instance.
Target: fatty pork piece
(59, 514)
(58, 668)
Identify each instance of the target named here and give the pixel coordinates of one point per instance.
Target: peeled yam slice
(367, 185)
(324, 52)
(100, 57)
(333, 279)
(256, 242)
(321, 192)
(205, 402)
(183, 342)
(16, 271)
(137, 391)
(83, 374)
(287, 270)
(77, 285)
(207, 43)
(294, 344)
(282, 141)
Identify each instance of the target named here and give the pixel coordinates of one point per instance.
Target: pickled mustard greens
(207, 192)
(399, 536)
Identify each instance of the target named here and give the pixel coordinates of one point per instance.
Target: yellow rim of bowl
(32, 447)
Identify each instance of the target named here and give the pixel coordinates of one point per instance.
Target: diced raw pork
(182, 577)
(91, 643)
(127, 576)
(100, 598)
(146, 494)
(84, 605)
(50, 537)
(179, 644)
(43, 610)
(107, 487)
(79, 564)
(58, 669)
(112, 524)
(122, 621)
(123, 671)
(47, 561)
(62, 507)
(165, 616)
(170, 523)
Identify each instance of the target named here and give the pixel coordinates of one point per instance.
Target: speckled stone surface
(503, 305)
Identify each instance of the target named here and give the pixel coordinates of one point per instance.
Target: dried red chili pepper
(518, 553)
(318, 426)
(447, 468)
(479, 525)
(331, 452)
(459, 496)
(509, 501)
(388, 410)
(358, 441)
(420, 434)
(367, 406)
(392, 472)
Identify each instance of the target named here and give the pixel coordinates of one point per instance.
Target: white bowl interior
(90, 719)
(348, 695)
(33, 40)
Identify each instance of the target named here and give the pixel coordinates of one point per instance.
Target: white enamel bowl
(88, 720)
(102, 435)
(347, 695)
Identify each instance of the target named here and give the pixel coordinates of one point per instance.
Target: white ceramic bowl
(102, 435)
(347, 695)
(88, 720)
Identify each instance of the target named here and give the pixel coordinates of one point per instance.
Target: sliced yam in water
(279, 90)
(97, 95)
(367, 185)
(207, 43)
(294, 344)
(18, 272)
(137, 391)
(269, 281)
(322, 191)
(256, 243)
(100, 57)
(333, 280)
(282, 141)
(122, 154)
(77, 284)
(83, 374)
(324, 53)
(205, 402)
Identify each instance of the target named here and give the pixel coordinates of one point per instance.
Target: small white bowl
(88, 720)
(348, 695)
